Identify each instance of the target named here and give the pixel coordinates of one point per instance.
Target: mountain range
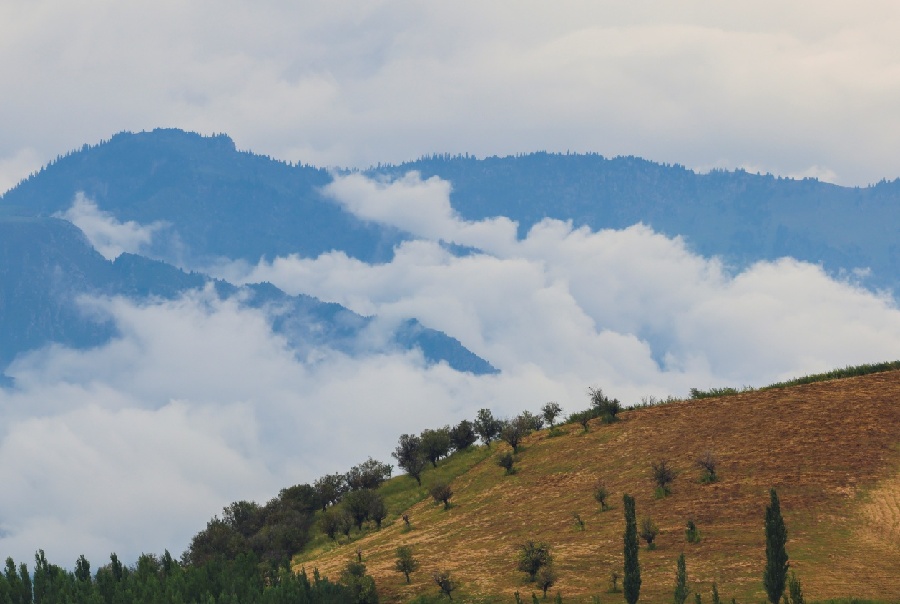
(214, 201)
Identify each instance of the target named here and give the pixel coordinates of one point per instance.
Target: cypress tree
(632, 580)
(681, 591)
(775, 575)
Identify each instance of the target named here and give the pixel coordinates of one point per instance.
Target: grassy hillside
(831, 449)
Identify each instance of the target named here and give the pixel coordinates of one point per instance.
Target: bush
(601, 493)
(708, 463)
(441, 492)
(663, 475)
(692, 533)
(649, 531)
(444, 581)
(506, 461)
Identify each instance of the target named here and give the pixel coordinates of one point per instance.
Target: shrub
(692, 533)
(663, 475)
(444, 582)
(441, 492)
(649, 531)
(708, 463)
(578, 521)
(600, 494)
(506, 461)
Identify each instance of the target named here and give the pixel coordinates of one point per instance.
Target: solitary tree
(604, 407)
(377, 508)
(405, 562)
(632, 580)
(441, 492)
(486, 426)
(410, 457)
(550, 412)
(532, 557)
(600, 494)
(775, 575)
(681, 590)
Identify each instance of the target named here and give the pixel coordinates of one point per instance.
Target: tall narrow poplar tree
(632, 580)
(775, 576)
(681, 590)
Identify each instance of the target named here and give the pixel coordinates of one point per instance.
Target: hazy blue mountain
(46, 263)
(740, 216)
(224, 202)
(219, 201)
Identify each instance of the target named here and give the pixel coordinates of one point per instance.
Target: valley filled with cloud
(133, 445)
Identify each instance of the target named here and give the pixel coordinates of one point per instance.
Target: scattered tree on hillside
(435, 444)
(546, 578)
(441, 492)
(359, 505)
(406, 562)
(330, 488)
(708, 463)
(463, 435)
(359, 583)
(681, 590)
(486, 426)
(368, 475)
(649, 531)
(410, 457)
(532, 557)
(663, 475)
(330, 522)
(607, 409)
(775, 575)
(600, 494)
(632, 580)
(532, 422)
(444, 582)
(514, 430)
(550, 412)
(377, 509)
(583, 418)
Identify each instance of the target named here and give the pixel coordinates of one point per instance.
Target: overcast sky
(132, 446)
(799, 88)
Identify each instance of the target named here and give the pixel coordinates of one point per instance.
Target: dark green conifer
(632, 580)
(775, 575)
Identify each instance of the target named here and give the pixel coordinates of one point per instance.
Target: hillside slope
(831, 449)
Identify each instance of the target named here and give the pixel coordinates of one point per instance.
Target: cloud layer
(805, 89)
(133, 445)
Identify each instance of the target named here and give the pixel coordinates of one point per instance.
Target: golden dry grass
(831, 449)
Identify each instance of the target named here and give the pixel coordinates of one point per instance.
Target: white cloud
(355, 83)
(18, 165)
(197, 403)
(109, 236)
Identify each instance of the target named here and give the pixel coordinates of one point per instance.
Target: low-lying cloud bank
(133, 445)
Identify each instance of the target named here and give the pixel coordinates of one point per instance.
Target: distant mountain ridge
(225, 202)
(218, 202)
(46, 263)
